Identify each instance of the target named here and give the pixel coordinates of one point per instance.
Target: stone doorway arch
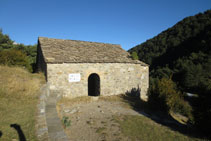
(93, 85)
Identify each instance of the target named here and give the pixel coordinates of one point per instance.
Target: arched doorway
(94, 85)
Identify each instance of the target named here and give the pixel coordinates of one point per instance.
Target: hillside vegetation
(18, 99)
(181, 55)
(182, 51)
(13, 54)
(19, 90)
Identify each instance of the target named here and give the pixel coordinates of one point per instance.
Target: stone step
(55, 129)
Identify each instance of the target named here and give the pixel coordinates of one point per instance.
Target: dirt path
(94, 120)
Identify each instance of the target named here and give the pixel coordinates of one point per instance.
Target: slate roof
(75, 51)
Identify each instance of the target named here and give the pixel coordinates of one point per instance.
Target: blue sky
(124, 22)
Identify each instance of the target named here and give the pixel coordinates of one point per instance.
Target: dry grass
(112, 98)
(145, 129)
(19, 81)
(180, 118)
(87, 99)
(71, 101)
(18, 99)
(131, 126)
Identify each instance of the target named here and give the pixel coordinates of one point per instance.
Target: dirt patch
(113, 118)
(94, 119)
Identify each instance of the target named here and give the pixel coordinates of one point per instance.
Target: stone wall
(115, 78)
(40, 62)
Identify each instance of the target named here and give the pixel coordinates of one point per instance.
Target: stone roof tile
(75, 51)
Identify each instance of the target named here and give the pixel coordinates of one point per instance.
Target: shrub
(13, 57)
(134, 56)
(165, 96)
(66, 122)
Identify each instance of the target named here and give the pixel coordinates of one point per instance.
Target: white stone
(42, 110)
(130, 69)
(52, 87)
(73, 111)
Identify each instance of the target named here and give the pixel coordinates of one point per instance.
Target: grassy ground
(18, 99)
(87, 99)
(134, 127)
(145, 129)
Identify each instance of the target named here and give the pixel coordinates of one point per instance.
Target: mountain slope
(182, 52)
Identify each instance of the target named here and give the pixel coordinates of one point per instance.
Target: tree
(25, 53)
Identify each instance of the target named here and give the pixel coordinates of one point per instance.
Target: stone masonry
(115, 78)
(117, 72)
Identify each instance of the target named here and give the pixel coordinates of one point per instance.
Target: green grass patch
(144, 129)
(100, 130)
(18, 101)
(17, 111)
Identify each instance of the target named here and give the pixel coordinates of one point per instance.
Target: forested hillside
(182, 52)
(180, 63)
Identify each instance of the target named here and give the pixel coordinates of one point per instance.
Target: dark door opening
(94, 85)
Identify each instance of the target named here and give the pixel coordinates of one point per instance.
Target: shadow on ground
(0, 134)
(144, 108)
(19, 131)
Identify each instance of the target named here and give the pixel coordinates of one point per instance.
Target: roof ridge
(79, 41)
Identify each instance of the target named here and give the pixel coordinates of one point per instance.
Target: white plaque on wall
(74, 77)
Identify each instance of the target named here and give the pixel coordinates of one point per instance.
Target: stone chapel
(81, 68)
